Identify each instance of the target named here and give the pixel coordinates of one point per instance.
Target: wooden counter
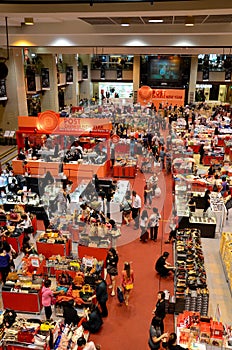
(86, 170)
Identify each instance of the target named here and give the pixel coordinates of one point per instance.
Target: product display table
(86, 170)
(125, 169)
(22, 302)
(98, 253)
(206, 225)
(49, 249)
(214, 158)
(16, 242)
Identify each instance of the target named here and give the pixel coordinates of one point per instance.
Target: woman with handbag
(127, 281)
(112, 268)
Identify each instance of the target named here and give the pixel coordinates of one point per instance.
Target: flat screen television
(165, 69)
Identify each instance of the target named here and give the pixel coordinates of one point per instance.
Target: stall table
(49, 249)
(22, 302)
(98, 253)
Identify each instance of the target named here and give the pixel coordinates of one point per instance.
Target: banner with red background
(147, 95)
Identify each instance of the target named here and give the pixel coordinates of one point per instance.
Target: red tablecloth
(49, 249)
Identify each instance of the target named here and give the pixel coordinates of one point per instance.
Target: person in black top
(192, 204)
(69, 313)
(207, 200)
(13, 187)
(112, 268)
(102, 295)
(171, 343)
(159, 310)
(94, 320)
(201, 152)
(162, 266)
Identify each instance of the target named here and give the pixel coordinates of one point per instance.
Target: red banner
(147, 95)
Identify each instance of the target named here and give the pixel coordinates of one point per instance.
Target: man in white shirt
(136, 207)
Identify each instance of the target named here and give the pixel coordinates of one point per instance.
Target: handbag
(46, 326)
(86, 292)
(129, 286)
(26, 335)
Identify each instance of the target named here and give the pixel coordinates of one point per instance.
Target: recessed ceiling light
(28, 21)
(125, 22)
(158, 20)
(189, 21)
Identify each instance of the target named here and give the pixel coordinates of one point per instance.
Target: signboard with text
(148, 95)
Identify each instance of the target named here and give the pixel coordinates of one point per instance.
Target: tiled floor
(219, 292)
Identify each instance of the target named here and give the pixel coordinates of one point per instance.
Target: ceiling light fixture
(156, 20)
(28, 21)
(189, 21)
(125, 22)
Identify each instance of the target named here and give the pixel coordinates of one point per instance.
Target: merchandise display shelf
(190, 284)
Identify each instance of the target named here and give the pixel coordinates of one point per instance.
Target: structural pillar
(15, 88)
(193, 79)
(71, 89)
(85, 86)
(49, 100)
(136, 76)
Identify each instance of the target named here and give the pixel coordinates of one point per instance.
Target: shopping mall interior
(84, 86)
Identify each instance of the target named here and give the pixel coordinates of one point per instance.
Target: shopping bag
(120, 295)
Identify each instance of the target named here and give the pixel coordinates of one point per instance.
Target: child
(47, 296)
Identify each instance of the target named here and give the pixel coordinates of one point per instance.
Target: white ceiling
(85, 29)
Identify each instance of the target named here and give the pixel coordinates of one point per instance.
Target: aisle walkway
(219, 292)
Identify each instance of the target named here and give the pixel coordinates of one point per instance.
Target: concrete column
(71, 91)
(49, 99)
(85, 86)
(136, 75)
(193, 79)
(16, 93)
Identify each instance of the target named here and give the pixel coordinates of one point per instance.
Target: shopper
(127, 208)
(154, 224)
(102, 295)
(206, 200)
(94, 319)
(70, 313)
(82, 344)
(143, 226)
(4, 264)
(174, 223)
(112, 268)
(155, 334)
(159, 310)
(148, 194)
(127, 281)
(202, 153)
(47, 296)
(162, 266)
(171, 343)
(136, 207)
(27, 247)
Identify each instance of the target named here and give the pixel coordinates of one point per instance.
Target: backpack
(120, 295)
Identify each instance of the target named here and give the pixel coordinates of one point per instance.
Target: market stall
(53, 242)
(23, 286)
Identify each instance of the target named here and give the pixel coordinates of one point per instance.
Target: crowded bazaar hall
(80, 210)
(115, 175)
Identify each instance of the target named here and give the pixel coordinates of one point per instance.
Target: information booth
(61, 133)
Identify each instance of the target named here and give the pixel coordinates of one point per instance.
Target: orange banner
(50, 122)
(148, 95)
